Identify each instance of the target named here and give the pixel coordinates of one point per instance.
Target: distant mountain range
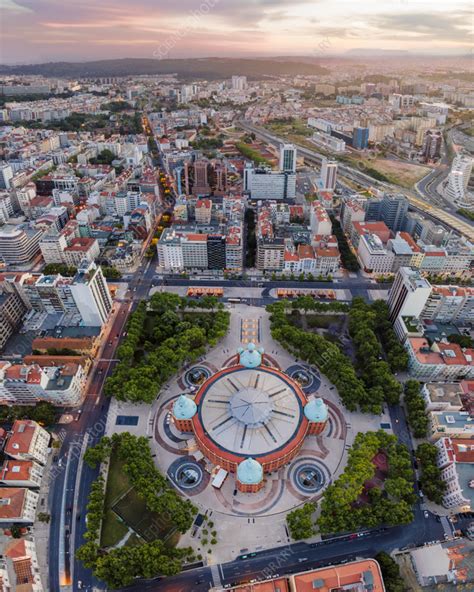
(206, 68)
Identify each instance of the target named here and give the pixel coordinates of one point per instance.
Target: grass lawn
(324, 321)
(113, 530)
(134, 541)
(124, 509)
(149, 525)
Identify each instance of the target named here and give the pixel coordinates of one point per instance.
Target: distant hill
(208, 68)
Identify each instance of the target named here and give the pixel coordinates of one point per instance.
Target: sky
(35, 31)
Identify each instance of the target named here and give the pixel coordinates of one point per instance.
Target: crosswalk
(216, 576)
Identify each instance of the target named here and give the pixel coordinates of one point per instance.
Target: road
(65, 501)
(417, 203)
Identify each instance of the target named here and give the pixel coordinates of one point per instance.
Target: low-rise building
(17, 505)
(21, 473)
(441, 361)
(450, 424)
(22, 563)
(27, 440)
(442, 396)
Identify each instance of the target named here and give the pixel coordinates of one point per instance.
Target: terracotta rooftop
(12, 500)
(341, 577)
(16, 470)
(20, 439)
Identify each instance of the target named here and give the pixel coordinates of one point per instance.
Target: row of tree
(44, 413)
(430, 480)
(161, 340)
(389, 503)
(348, 259)
(308, 303)
(416, 409)
(319, 352)
(118, 567)
(376, 373)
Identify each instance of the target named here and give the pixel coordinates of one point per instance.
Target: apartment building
(441, 361)
(17, 505)
(21, 473)
(12, 311)
(359, 229)
(455, 425)
(22, 563)
(194, 248)
(442, 396)
(373, 255)
(91, 294)
(456, 461)
(19, 244)
(352, 211)
(319, 220)
(408, 294)
(27, 384)
(27, 440)
(270, 254)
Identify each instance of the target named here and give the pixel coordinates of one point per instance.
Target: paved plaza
(319, 461)
(244, 522)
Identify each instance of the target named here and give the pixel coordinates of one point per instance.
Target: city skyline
(45, 30)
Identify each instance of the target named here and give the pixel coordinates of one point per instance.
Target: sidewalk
(40, 530)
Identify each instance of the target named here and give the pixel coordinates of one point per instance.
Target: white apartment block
(352, 211)
(29, 384)
(319, 220)
(194, 247)
(373, 255)
(91, 295)
(456, 461)
(444, 362)
(458, 179)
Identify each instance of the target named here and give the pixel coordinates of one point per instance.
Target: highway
(422, 205)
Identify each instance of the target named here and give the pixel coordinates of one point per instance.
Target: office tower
(19, 244)
(329, 174)
(360, 138)
(201, 178)
(216, 251)
(393, 210)
(288, 158)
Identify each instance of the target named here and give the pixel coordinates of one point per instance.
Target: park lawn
(134, 540)
(117, 481)
(324, 321)
(113, 529)
(148, 525)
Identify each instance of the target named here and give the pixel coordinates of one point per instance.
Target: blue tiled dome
(251, 357)
(250, 472)
(184, 408)
(316, 410)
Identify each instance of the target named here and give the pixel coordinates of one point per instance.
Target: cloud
(457, 26)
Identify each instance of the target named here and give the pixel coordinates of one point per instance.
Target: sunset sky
(77, 30)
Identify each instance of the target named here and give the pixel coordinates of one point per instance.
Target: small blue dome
(250, 472)
(184, 408)
(316, 410)
(251, 357)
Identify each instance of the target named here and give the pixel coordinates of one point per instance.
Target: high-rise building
(288, 158)
(91, 294)
(6, 174)
(19, 244)
(432, 145)
(216, 251)
(393, 210)
(408, 295)
(12, 309)
(265, 184)
(360, 138)
(329, 174)
(458, 179)
(239, 82)
(201, 178)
